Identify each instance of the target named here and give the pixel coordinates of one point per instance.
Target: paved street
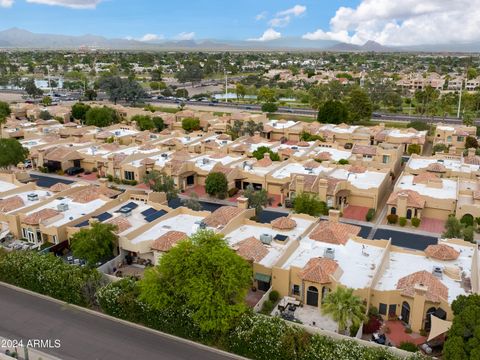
(86, 336)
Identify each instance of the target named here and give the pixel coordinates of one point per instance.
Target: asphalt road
(86, 336)
(406, 240)
(48, 181)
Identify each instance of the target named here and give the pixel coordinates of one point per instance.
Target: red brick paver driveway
(355, 212)
(432, 225)
(398, 335)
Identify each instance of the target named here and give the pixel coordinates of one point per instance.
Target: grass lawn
(308, 119)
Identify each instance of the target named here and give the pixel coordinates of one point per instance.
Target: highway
(86, 336)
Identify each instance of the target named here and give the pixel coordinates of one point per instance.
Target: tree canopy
(118, 88)
(203, 276)
(101, 116)
(79, 111)
(259, 154)
(359, 105)
(333, 112)
(32, 89)
(190, 124)
(94, 244)
(344, 307)
(257, 199)
(161, 182)
(144, 122)
(216, 184)
(11, 153)
(309, 204)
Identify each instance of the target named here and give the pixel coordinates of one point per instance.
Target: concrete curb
(124, 322)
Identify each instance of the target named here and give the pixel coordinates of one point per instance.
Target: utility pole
(460, 101)
(226, 86)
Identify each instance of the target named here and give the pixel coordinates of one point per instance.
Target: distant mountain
(24, 39)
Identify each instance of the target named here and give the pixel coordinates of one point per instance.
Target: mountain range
(16, 38)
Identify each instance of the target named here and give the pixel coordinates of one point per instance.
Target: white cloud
(261, 16)
(6, 3)
(282, 18)
(268, 35)
(74, 4)
(151, 37)
(406, 22)
(185, 36)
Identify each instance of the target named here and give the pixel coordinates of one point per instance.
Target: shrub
(402, 221)
(274, 296)
(408, 346)
(408, 330)
(370, 215)
(190, 124)
(343, 162)
(267, 307)
(232, 192)
(415, 222)
(414, 149)
(216, 184)
(392, 218)
(423, 332)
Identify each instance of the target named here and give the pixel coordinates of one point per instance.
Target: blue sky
(207, 19)
(389, 22)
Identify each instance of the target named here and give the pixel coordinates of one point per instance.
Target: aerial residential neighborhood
(303, 184)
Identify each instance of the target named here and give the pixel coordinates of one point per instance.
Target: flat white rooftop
(42, 195)
(451, 164)
(6, 186)
(447, 191)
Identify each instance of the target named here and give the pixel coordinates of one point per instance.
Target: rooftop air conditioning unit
(126, 211)
(294, 147)
(164, 155)
(437, 272)
(224, 141)
(266, 239)
(32, 197)
(205, 161)
(62, 207)
(201, 224)
(117, 133)
(329, 253)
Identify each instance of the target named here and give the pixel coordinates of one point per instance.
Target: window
(55, 239)
(392, 310)
(386, 159)
(382, 309)
(449, 139)
(296, 290)
(129, 175)
(24, 233)
(460, 139)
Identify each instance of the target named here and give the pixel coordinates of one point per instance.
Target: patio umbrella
(439, 327)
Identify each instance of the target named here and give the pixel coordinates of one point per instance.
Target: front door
(312, 296)
(263, 286)
(405, 312)
(191, 180)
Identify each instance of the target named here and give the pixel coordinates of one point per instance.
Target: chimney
(402, 204)
(299, 184)
(322, 189)
(103, 182)
(334, 215)
(242, 203)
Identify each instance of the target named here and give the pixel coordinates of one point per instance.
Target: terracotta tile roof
(37, 217)
(364, 150)
(303, 144)
(11, 203)
(442, 252)
(414, 199)
(104, 135)
(256, 139)
(251, 249)
(286, 152)
(59, 187)
(224, 137)
(436, 289)
(424, 177)
(324, 156)
(170, 142)
(318, 270)
(436, 167)
(357, 169)
(312, 164)
(334, 232)
(265, 162)
(61, 153)
(92, 193)
(120, 222)
(283, 223)
(147, 147)
(217, 156)
(472, 160)
(147, 161)
(181, 155)
(168, 240)
(118, 158)
(222, 216)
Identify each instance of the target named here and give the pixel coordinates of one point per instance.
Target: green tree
(414, 149)
(333, 112)
(344, 308)
(156, 74)
(90, 94)
(216, 184)
(257, 199)
(240, 90)
(47, 101)
(161, 182)
(101, 116)
(158, 123)
(192, 202)
(31, 89)
(266, 94)
(309, 204)
(440, 148)
(79, 111)
(11, 153)
(259, 154)
(190, 124)
(269, 107)
(471, 142)
(5, 112)
(144, 122)
(45, 115)
(181, 93)
(453, 228)
(359, 105)
(203, 276)
(94, 244)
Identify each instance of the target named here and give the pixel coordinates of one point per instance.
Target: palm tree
(344, 308)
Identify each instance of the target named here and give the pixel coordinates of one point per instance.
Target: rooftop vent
(62, 207)
(266, 239)
(164, 155)
(32, 197)
(437, 272)
(205, 161)
(125, 211)
(329, 253)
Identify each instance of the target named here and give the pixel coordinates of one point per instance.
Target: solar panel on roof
(280, 237)
(155, 215)
(103, 217)
(82, 224)
(131, 205)
(149, 212)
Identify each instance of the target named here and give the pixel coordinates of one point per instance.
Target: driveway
(407, 240)
(48, 181)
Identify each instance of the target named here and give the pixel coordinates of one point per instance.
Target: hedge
(370, 214)
(50, 275)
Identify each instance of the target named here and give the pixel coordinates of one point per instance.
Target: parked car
(74, 170)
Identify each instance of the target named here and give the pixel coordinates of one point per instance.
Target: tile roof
(222, 216)
(251, 249)
(334, 232)
(324, 156)
(424, 177)
(283, 223)
(436, 167)
(61, 153)
(303, 144)
(39, 216)
(436, 289)
(318, 270)
(147, 161)
(414, 199)
(168, 240)
(11, 203)
(357, 169)
(120, 222)
(472, 160)
(59, 187)
(364, 149)
(92, 193)
(442, 252)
